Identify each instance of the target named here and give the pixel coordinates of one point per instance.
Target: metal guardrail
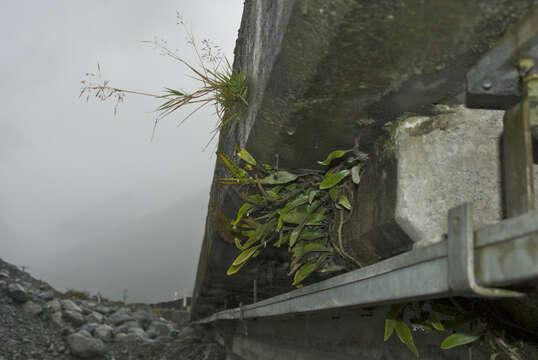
(504, 254)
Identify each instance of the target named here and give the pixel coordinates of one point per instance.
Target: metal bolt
(487, 84)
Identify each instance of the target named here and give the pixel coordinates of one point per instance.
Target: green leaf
(312, 235)
(245, 255)
(246, 157)
(307, 269)
(334, 155)
(232, 167)
(312, 195)
(238, 244)
(298, 215)
(279, 177)
(344, 201)
(311, 247)
(297, 231)
(332, 268)
(332, 179)
(389, 328)
(298, 201)
(392, 315)
(405, 336)
(174, 92)
(458, 339)
(356, 174)
(233, 269)
(333, 193)
(435, 322)
(245, 208)
(260, 232)
(282, 239)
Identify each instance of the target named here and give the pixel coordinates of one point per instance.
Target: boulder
(158, 328)
(73, 317)
(56, 319)
(90, 327)
(46, 295)
(83, 345)
(70, 305)
(125, 327)
(32, 308)
(119, 317)
(105, 310)
(95, 317)
(144, 318)
(17, 292)
(54, 305)
(103, 332)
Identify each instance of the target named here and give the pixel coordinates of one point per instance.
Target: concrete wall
(334, 335)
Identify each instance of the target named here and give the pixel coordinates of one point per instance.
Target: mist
(89, 200)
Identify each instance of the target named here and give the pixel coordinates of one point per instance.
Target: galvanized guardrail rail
(505, 254)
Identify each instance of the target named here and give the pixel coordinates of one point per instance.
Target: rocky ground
(37, 322)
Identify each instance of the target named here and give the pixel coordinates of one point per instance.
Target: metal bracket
(495, 82)
(461, 275)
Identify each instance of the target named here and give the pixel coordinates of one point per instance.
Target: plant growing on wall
(220, 85)
(445, 315)
(294, 209)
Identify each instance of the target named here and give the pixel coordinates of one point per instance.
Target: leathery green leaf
(238, 244)
(405, 336)
(245, 156)
(245, 255)
(245, 208)
(300, 200)
(392, 315)
(312, 195)
(389, 328)
(333, 193)
(307, 269)
(344, 202)
(458, 339)
(282, 239)
(298, 215)
(233, 269)
(334, 155)
(277, 178)
(331, 179)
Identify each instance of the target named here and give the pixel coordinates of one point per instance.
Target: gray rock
(3, 284)
(144, 318)
(158, 328)
(54, 305)
(119, 317)
(73, 317)
(105, 310)
(56, 319)
(17, 292)
(129, 337)
(84, 346)
(90, 327)
(46, 295)
(103, 332)
(125, 327)
(138, 331)
(32, 308)
(175, 334)
(4, 274)
(70, 305)
(95, 317)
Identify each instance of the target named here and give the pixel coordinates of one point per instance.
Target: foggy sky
(70, 170)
